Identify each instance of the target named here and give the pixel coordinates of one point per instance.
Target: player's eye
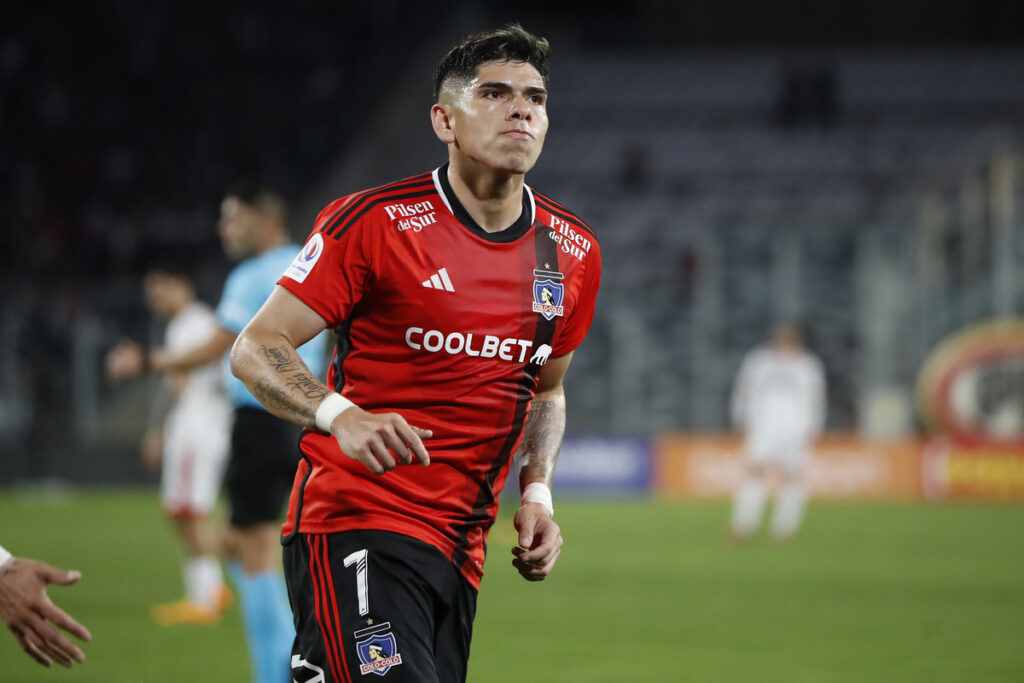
(491, 94)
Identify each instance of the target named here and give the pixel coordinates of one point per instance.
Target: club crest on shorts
(548, 294)
(377, 649)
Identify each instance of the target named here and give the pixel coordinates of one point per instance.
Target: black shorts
(380, 604)
(261, 469)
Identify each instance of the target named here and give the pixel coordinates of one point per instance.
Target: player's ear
(439, 117)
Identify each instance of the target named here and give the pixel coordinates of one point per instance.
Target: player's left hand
(540, 542)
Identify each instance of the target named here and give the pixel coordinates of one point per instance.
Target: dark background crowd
(121, 124)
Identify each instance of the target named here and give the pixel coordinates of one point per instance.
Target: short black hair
(260, 195)
(511, 43)
(175, 261)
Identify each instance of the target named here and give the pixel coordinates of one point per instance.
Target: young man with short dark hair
(458, 297)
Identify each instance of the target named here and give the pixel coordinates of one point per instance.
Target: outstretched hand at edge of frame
(32, 617)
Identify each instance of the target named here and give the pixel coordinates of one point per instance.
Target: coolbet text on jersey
(447, 325)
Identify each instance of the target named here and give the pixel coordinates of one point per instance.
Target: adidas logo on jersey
(440, 280)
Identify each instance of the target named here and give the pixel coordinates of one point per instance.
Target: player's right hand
(124, 360)
(33, 618)
(375, 439)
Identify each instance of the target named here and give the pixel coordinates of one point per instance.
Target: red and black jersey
(449, 326)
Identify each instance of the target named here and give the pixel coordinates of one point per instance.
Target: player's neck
(272, 241)
(493, 199)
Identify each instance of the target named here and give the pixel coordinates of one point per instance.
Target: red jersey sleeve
(333, 270)
(581, 315)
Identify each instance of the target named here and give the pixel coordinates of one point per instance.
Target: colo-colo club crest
(548, 294)
(377, 649)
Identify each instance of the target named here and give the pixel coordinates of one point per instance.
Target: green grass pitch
(644, 590)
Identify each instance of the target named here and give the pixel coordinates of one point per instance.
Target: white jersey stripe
(440, 191)
(533, 204)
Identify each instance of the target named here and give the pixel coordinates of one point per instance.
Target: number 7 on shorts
(358, 558)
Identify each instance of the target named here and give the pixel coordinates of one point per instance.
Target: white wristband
(5, 557)
(331, 407)
(538, 492)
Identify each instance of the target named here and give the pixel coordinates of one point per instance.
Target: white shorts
(777, 449)
(195, 455)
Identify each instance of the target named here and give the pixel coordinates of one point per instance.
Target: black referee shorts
(261, 468)
(380, 604)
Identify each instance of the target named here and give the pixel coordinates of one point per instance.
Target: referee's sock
(268, 625)
(235, 572)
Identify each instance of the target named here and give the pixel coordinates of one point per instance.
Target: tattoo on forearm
(280, 359)
(542, 438)
(270, 393)
(279, 397)
(306, 385)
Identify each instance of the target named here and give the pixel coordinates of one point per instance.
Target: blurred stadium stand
(861, 202)
(872, 193)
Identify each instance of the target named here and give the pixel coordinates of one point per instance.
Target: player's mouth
(517, 134)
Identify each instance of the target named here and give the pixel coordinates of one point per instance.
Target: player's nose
(518, 109)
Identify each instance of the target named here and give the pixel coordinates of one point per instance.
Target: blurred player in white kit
(778, 401)
(189, 432)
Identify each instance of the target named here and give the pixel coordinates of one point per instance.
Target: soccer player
(450, 356)
(30, 614)
(262, 459)
(189, 433)
(778, 400)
